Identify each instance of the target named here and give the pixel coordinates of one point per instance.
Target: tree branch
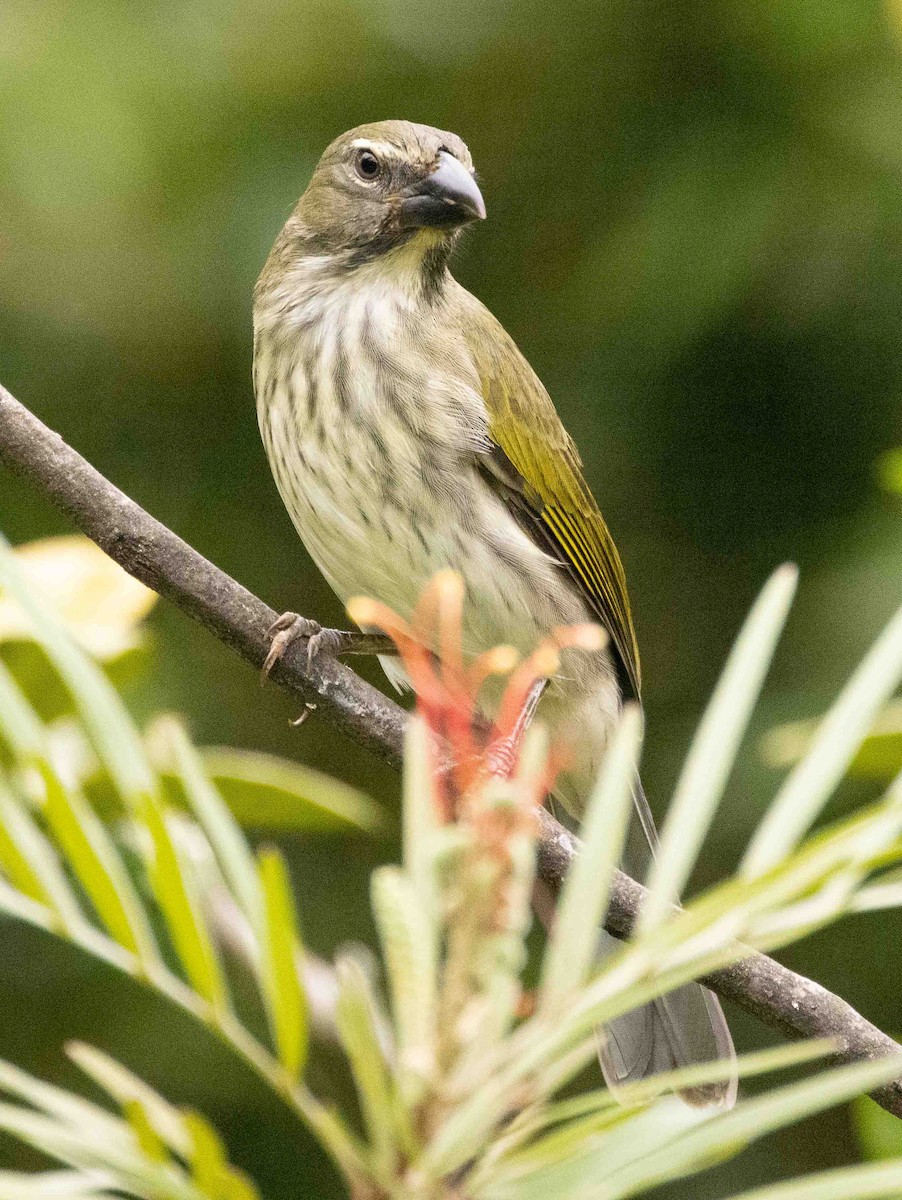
(797, 1007)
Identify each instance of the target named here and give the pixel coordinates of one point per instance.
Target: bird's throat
(416, 263)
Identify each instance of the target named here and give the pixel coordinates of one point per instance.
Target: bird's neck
(301, 278)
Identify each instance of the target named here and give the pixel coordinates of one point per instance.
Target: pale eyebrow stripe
(380, 147)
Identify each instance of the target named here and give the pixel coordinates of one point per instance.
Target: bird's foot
(505, 753)
(288, 628)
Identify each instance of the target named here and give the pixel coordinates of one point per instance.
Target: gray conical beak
(443, 200)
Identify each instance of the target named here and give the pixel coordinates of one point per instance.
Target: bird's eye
(367, 165)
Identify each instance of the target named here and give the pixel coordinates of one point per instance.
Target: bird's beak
(443, 200)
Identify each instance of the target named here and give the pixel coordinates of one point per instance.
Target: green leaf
(406, 939)
(714, 747)
(838, 737)
(95, 860)
(138, 1174)
(237, 1186)
(879, 1132)
(19, 723)
(285, 997)
(213, 1173)
(732, 908)
(269, 793)
(31, 863)
(169, 737)
(573, 942)
(589, 1175)
(149, 1143)
(56, 1185)
(421, 823)
(362, 1034)
(725, 1134)
(847, 1183)
(208, 1159)
(130, 1156)
(64, 1106)
(883, 894)
(126, 1088)
(669, 1140)
(878, 757)
(175, 892)
(580, 1118)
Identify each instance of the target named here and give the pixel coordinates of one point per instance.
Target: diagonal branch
(797, 1007)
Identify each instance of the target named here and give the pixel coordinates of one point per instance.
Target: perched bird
(407, 433)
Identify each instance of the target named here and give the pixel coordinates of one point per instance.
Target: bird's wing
(536, 468)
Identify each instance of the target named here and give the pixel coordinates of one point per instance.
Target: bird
(407, 434)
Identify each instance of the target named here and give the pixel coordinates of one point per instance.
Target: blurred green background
(695, 235)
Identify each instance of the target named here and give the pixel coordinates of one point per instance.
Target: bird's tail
(685, 1027)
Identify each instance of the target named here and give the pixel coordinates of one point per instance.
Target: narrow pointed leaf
(149, 1142)
(285, 997)
(223, 832)
(20, 725)
(31, 864)
(361, 1037)
(840, 733)
(573, 944)
(125, 1087)
(70, 1147)
(57, 1185)
(212, 1172)
(591, 1172)
(714, 747)
(727, 1133)
(96, 862)
(264, 791)
(847, 1183)
(64, 1106)
(175, 894)
(238, 1187)
(420, 817)
(209, 1163)
(406, 945)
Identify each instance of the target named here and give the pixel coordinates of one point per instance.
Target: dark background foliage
(694, 234)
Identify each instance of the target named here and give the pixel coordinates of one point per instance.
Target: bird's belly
(374, 533)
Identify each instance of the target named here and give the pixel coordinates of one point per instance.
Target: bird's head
(386, 185)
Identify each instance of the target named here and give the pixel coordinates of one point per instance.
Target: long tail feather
(685, 1027)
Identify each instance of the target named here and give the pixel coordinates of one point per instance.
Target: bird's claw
(291, 626)
(304, 715)
(324, 641)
